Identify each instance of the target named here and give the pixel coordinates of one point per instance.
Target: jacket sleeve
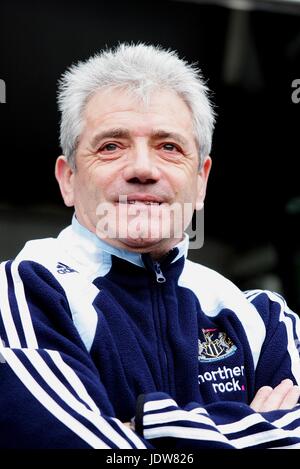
(279, 356)
(223, 425)
(51, 393)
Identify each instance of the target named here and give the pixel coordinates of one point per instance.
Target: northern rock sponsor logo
(224, 379)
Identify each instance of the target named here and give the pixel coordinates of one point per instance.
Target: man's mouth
(141, 202)
(139, 199)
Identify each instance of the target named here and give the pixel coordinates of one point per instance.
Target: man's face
(133, 164)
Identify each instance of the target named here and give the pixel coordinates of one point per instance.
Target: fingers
(260, 397)
(130, 424)
(277, 396)
(127, 424)
(283, 396)
(291, 398)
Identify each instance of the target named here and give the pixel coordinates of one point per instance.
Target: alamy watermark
(2, 91)
(149, 219)
(296, 93)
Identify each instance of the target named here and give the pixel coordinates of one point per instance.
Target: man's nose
(141, 166)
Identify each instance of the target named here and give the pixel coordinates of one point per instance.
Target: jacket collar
(87, 248)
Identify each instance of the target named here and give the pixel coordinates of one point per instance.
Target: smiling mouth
(141, 202)
(139, 199)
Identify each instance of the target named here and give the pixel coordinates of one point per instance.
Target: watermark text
(150, 220)
(296, 93)
(2, 91)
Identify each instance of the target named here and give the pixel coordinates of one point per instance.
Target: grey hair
(140, 68)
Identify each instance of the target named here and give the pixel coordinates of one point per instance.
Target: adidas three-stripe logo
(64, 269)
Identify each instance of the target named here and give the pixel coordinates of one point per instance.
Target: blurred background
(249, 51)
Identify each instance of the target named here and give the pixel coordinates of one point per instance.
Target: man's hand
(130, 424)
(284, 396)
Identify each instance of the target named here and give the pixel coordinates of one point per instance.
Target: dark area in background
(250, 60)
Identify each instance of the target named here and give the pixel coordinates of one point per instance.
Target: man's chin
(141, 244)
(156, 246)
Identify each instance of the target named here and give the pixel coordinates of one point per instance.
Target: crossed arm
(283, 396)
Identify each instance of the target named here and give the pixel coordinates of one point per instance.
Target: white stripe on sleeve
(23, 307)
(97, 420)
(38, 392)
(9, 325)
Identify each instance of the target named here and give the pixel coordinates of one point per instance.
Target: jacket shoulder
(212, 288)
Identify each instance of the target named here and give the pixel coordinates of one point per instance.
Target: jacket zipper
(160, 278)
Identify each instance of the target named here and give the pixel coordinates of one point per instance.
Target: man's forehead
(117, 113)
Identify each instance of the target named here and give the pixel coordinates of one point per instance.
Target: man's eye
(109, 147)
(169, 147)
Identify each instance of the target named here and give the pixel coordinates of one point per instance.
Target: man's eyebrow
(163, 134)
(110, 133)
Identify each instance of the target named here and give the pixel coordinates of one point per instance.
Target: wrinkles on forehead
(119, 114)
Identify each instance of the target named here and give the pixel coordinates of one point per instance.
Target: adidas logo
(64, 269)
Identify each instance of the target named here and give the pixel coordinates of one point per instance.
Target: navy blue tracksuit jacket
(93, 336)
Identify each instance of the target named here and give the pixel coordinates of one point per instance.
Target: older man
(111, 337)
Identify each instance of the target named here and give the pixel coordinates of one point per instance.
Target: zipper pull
(160, 278)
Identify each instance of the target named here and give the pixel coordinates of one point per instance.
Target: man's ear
(202, 182)
(65, 178)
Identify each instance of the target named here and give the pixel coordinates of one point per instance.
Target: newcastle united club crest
(216, 346)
